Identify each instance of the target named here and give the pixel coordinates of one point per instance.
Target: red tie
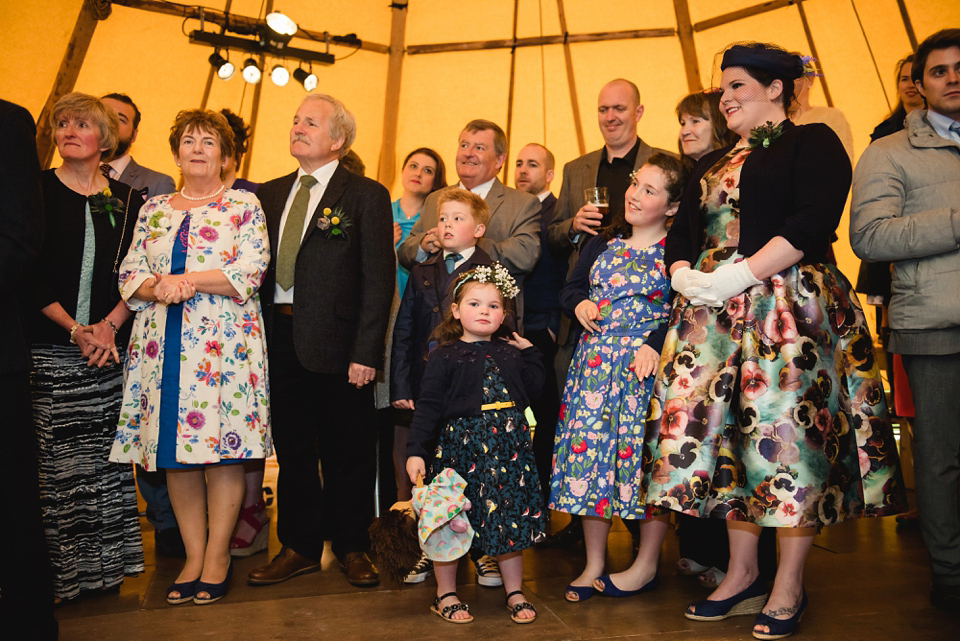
(105, 170)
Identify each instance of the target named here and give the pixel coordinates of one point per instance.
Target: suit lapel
(495, 197)
(130, 173)
(331, 195)
(274, 208)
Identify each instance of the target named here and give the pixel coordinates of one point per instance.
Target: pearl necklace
(203, 197)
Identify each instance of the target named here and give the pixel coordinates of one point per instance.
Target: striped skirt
(89, 505)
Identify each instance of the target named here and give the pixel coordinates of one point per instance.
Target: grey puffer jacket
(906, 209)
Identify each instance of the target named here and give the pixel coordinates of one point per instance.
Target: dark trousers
(26, 581)
(706, 542)
(935, 383)
(320, 419)
(546, 408)
(153, 489)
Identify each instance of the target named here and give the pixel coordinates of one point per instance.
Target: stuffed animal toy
(444, 530)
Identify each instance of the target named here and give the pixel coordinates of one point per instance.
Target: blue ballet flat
(583, 593)
(779, 628)
(609, 589)
(750, 601)
(216, 591)
(186, 590)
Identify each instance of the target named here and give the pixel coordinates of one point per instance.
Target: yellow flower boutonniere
(334, 222)
(103, 202)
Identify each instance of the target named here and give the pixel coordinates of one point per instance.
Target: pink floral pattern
(224, 398)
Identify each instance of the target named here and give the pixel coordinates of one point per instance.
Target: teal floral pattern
(597, 455)
(770, 409)
(224, 397)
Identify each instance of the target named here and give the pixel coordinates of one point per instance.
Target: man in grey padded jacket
(906, 209)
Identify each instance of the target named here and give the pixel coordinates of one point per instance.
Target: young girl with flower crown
(470, 417)
(619, 292)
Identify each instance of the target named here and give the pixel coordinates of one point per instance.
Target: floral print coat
(223, 396)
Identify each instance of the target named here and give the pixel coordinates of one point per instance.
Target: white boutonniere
(158, 225)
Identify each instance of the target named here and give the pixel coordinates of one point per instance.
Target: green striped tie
(293, 232)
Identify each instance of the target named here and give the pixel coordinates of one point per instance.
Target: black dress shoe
(168, 542)
(946, 597)
(565, 538)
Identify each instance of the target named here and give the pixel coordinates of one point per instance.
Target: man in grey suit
(124, 168)
(618, 111)
(513, 234)
(153, 485)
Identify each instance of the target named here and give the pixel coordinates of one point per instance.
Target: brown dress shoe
(286, 565)
(359, 569)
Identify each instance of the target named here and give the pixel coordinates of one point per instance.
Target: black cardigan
(796, 188)
(577, 290)
(452, 386)
(56, 277)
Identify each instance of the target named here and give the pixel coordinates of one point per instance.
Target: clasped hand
(97, 344)
(715, 288)
(171, 289)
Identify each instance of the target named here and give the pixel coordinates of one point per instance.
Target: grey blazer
(512, 237)
(148, 182)
(578, 174)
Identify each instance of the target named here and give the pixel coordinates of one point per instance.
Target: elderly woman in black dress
(77, 331)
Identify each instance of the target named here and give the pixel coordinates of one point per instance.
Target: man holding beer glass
(581, 208)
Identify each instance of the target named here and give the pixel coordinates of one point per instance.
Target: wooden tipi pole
(907, 24)
(387, 168)
(571, 82)
(813, 52)
(510, 92)
(90, 13)
(257, 90)
(687, 46)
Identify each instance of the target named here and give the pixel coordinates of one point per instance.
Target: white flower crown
(496, 274)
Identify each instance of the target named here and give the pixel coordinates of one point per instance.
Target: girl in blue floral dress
(619, 292)
(470, 417)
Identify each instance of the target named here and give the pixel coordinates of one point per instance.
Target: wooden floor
(866, 580)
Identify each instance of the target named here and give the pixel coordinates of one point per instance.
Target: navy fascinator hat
(769, 58)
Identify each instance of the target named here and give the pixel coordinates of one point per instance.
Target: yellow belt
(499, 405)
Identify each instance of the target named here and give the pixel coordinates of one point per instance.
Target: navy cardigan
(578, 287)
(796, 188)
(452, 386)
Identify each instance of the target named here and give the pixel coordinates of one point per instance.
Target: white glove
(685, 279)
(724, 283)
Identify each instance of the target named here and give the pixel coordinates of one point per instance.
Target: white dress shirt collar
(482, 189)
(119, 165)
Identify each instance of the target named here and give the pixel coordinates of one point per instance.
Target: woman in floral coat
(195, 396)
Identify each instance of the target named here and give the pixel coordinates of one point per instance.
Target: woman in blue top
(422, 174)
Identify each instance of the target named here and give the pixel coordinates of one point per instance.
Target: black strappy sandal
(447, 613)
(516, 609)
